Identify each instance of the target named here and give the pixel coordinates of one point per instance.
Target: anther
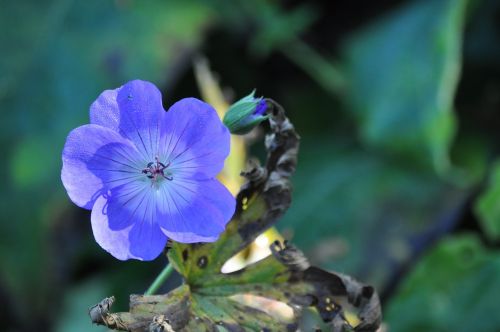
(155, 169)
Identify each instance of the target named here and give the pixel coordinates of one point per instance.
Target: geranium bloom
(146, 174)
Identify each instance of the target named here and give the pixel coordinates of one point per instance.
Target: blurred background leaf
(450, 289)
(76, 302)
(369, 218)
(402, 73)
(487, 205)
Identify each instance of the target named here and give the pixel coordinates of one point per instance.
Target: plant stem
(160, 280)
(323, 71)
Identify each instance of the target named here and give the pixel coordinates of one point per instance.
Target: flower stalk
(160, 280)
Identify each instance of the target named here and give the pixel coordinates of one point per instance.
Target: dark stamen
(155, 169)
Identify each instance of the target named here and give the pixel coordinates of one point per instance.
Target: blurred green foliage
(405, 102)
(487, 205)
(375, 187)
(374, 214)
(76, 302)
(452, 288)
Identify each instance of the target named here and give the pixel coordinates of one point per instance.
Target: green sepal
(240, 118)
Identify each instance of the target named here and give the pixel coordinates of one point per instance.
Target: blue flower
(146, 174)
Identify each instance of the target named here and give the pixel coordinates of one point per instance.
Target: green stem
(160, 280)
(323, 71)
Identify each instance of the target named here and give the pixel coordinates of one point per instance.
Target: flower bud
(245, 114)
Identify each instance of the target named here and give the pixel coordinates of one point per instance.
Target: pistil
(155, 170)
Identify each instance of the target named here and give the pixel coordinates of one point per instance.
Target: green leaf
(403, 73)
(453, 288)
(487, 206)
(212, 301)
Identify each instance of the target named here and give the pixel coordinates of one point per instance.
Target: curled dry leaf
(207, 302)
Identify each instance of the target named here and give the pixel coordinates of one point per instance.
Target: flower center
(155, 170)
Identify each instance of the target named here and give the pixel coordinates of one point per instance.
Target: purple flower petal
(127, 203)
(94, 157)
(261, 107)
(142, 240)
(148, 174)
(147, 240)
(104, 110)
(197, 211)
(194, 140)
(135, 111)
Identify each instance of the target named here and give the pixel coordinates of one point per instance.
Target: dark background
(397, 103)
